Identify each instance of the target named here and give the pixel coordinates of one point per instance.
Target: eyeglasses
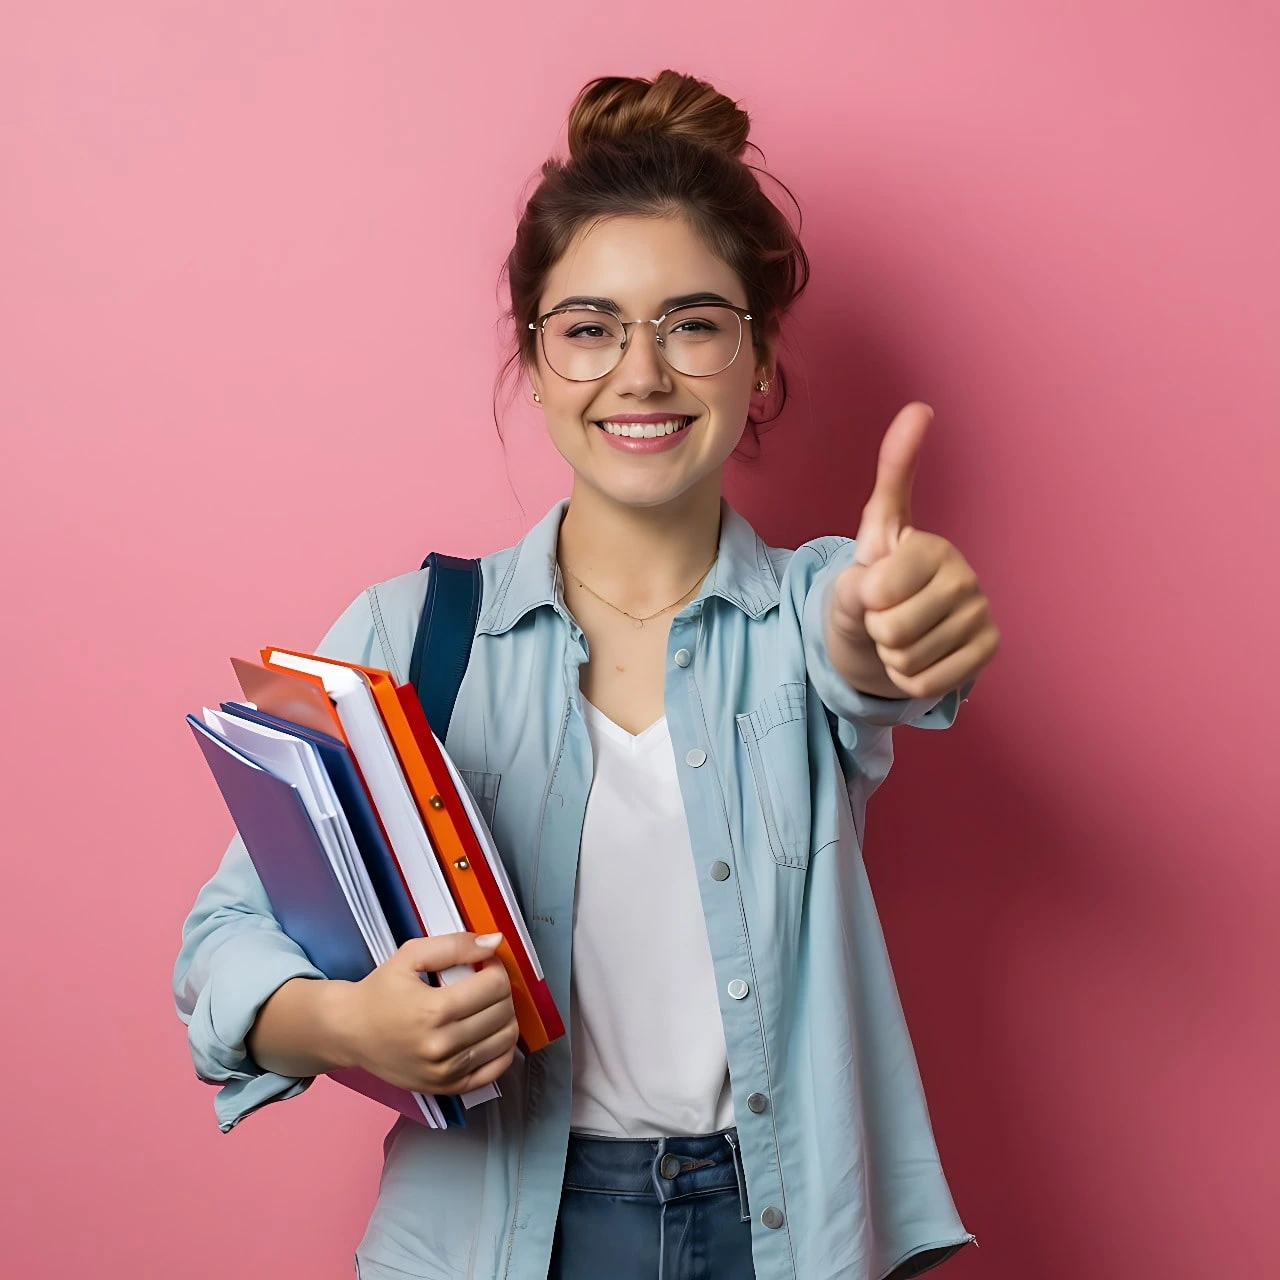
(582, 344)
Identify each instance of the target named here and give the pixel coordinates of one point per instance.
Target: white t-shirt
(649, 1055)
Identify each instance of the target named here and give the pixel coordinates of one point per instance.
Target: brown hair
(672, 145)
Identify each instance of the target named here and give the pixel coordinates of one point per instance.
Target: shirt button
(683, 657)
(757, 1102)
(771, 1218)
(719, 870)
(696, 758)
(738, 989)
(669, 1166)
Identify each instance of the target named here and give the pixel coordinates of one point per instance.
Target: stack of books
(364, 836)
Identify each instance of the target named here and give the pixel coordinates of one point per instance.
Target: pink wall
(248, 258)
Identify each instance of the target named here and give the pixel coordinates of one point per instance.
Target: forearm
(301, 1030)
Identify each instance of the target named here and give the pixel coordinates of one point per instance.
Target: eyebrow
(608, 304)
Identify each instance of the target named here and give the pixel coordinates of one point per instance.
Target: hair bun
(614, 108)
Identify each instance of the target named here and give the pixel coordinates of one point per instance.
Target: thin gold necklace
(648, 617)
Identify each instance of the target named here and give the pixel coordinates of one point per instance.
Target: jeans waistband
(657, 1169)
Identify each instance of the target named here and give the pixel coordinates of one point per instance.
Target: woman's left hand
(908, 617)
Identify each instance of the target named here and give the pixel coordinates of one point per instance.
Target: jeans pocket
(776, 737)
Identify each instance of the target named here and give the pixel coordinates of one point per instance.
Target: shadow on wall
(1044, 979)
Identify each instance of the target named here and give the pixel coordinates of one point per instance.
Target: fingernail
(488, 941)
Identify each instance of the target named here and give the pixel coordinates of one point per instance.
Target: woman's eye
(586, 331)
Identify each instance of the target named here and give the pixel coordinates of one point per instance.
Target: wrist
(338, 1021)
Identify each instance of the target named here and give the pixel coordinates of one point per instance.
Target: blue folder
(289, 858)
(303, 888)
(372, 843)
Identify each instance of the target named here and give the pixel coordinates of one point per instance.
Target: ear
(766, 353)
(766, 364)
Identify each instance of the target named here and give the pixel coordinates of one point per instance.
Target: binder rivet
(462, 864)
(436, 803)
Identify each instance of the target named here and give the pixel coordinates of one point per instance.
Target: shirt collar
(742, 574)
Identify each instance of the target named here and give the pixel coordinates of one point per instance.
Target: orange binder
(456, 810)
(461, 870)
(297, 696)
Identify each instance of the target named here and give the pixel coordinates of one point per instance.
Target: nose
(642, 369)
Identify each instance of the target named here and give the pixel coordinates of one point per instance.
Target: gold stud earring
(537, 399)
(762, 387)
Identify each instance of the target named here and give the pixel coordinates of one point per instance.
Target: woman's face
(639, 264)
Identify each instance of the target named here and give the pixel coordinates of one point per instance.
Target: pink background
(248, 265)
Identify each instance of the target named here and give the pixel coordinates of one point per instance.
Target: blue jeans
(653, 1209)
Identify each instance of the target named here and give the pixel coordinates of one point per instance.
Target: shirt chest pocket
(484, 791)
(776, 739)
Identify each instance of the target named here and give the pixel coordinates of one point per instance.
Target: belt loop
(731, 1138)
(660, 1184)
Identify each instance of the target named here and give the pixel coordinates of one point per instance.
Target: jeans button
(696, 758)
(669, 1166)
(757, 1102)
(683, 657)
(771, 1218)
(719, 870)
(738, 989)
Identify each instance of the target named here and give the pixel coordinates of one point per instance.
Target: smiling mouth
(645, 430)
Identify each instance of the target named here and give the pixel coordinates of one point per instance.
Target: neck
(640, 557)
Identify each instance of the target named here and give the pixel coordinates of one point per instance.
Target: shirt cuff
(249, 970)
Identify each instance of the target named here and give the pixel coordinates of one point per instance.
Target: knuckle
(961, 589)
(435, 1014)
(436, 1047)
(894, 659)
(908, 664)
(460, 1065)
(888, 632)
(912, 686)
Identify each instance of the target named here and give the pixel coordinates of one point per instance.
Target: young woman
(679, 728)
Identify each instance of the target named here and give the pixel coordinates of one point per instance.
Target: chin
(640, 494)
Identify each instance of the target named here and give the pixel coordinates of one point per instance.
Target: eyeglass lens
(696, 340)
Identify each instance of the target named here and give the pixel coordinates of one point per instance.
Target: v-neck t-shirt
(649, 1056)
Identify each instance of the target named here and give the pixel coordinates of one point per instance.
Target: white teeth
(645, 430)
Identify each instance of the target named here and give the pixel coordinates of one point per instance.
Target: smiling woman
(686, 724)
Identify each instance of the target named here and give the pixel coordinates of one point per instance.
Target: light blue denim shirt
(777, 757)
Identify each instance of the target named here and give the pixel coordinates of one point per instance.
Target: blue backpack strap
(442, 647)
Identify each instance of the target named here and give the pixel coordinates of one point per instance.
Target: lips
(648, 428)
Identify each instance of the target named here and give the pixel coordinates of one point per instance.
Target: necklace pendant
(639, 623)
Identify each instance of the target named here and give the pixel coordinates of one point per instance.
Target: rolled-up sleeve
(234, 955)
(233, 959)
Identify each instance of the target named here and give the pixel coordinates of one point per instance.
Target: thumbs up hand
(907, 618)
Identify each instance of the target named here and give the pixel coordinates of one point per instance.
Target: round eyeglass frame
(741, 312)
